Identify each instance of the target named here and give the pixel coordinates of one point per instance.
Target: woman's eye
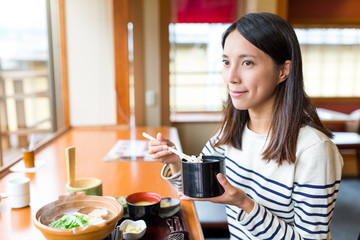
(225, 62)
(247, 63)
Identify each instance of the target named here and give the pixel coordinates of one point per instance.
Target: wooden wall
(335, 12)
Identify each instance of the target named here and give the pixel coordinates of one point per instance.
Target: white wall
(89, 32)
(151, 23)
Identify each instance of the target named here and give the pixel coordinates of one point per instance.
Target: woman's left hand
(232, 196)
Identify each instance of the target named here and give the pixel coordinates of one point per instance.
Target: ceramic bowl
(169, 204)
(199, 179)
(139, 224)
(147, 212)
(80, 202)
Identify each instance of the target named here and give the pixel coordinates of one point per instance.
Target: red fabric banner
(206, 11)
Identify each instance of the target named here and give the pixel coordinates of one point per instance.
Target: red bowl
(143, 205)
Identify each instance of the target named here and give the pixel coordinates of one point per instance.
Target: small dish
(168, 204)
(139, 224)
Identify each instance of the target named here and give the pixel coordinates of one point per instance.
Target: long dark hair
(292, 107)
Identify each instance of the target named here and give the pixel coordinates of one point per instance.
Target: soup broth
(144, 203)
(83, 210)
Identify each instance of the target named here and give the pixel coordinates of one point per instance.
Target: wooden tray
(158, 228)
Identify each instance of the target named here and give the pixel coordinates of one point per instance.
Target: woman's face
(249, 74)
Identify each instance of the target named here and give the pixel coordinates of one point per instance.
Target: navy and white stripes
(174, 180)
(292, 201)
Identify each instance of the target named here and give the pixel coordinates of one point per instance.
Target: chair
(212, 217)
(349, 140)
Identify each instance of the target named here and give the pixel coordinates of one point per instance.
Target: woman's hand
(158, 150)
(232, 196)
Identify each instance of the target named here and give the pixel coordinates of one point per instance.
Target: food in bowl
(196, 159)
(165, 204)
(122, 201)
(168, 204)
(84, 204)
(143, 205)
(169, 207)
(78, 219)
(133, 230)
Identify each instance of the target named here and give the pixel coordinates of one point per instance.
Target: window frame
(57, 79)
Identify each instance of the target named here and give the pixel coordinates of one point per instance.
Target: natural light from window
(331, 59)
(25, 95)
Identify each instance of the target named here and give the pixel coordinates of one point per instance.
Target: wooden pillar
(64, 66)
(283, 9)
(164, 62)
(4, 138)
(20, 111)
(121, 20)
(136, 18)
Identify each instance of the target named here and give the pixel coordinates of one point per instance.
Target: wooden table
(120, 178)
(335, 121)
(349, 140)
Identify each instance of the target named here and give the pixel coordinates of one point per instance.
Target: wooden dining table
(120, 177)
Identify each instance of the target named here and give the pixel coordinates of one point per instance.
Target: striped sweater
(292, 201)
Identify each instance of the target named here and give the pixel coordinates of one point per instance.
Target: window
(330, 64)
(331, 59)
(195, 67)
(27, 100)
(196, 83)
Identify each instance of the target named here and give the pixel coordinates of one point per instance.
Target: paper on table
(20, 166)
(127, 150)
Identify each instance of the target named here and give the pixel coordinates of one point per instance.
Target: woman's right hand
(158, 150)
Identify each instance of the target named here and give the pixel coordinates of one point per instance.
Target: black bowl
(199, 179)
(143, 212)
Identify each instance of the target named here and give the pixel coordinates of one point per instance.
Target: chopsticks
(4, 195)
(180, 154)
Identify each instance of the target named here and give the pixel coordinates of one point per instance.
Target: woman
(282, 171)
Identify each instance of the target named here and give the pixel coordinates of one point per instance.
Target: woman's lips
(237, 93)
